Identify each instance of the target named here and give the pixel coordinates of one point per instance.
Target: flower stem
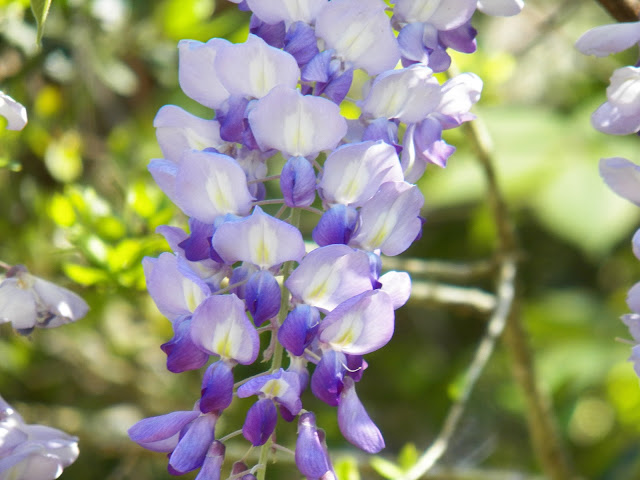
(276, 359)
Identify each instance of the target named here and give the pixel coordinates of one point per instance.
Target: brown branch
(546, 441)
(622, 10)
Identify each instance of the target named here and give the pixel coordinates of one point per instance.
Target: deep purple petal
(299, 329)
(160, 433)
(194, 445)
(272, 33)
(260, 423)
(217, 388)
(327, 378)
(262, 296)
(298, 182)
(311, 456)
(182, 353)
(335, 226)
(300, 41)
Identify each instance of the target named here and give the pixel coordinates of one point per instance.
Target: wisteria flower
(29, 302)
(14, 112)
(32, 452)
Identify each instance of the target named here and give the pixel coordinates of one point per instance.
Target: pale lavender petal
(259, 239)
(360, 325)
(192, 448)
(329, 275)
(354, 422)
(17, 305)
(398, 286)
(353, 173)
(389, 221)
(408, 94)
(13, 111)
(635, 244)
(500, 8)
(296, 125)
(633, 298)
(221, 327)
(411, 43)
(289, 11)
(197, 74)
(608, 118)
(164, 173)
(58, 304)
(622, 176)
(635, 358)
(458, 96)
(360, 33)
(175, 290)
(30, 461)
(443, 14)
(209, 185)
(607, 39)
(253, 68)
(178, 130)
(161, 433)
(632, 320)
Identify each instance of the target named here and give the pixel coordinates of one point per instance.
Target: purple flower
(29, 302)
(312, 458)
(620, 114)
(33, 452)
(354, 422)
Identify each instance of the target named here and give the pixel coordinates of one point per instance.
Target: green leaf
(84, 275)
(386, 468)
(346, 468)
(40, 9)
(408, 456)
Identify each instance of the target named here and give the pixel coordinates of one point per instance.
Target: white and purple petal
(360, 325)
(14, 112)
(197, 73)
(607, 39)
(329, 275)
(398, 286)
(259, 239)
(296, 125)
(221, 327)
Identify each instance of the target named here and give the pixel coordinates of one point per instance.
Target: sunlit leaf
(84, 275)
(386, 468)
(408, 456)
(40, 9)
(346, 468)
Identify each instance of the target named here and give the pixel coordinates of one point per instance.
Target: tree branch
(622, 10)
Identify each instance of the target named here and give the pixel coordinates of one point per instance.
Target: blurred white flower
(13, 111)
(28, 302)
(32, 452)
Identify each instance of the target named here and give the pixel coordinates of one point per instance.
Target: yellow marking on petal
(193, 296)
(351, 327)
(324, 284)
(274, 388)
(218, 191)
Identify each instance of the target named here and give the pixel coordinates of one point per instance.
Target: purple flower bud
(260, 423)
(240, 274)
(182, 353)
(262, 296)
(335, 226)
(217, 388)
(298, 182)
(299, 329)
(312, 458)
(354, 423)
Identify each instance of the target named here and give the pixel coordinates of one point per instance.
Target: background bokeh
(78, 207)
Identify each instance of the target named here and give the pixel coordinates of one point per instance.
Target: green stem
(278, 351)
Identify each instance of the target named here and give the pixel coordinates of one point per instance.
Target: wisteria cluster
(620, 115)
(240, 272)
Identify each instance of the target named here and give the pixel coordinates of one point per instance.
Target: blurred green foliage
(79, 208)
